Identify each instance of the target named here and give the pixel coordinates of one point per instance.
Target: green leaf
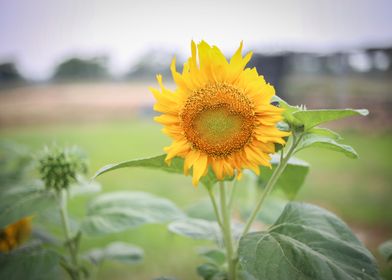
(196, 229)
(30, 262)
(201, 209)
(385, 250)
(306, 243)
(20, 202)
(311, 140)
(272, 209)
(209, 271)
(214, 256)
(312, 118)
(118, 211)
(158, 162)
(84, 187)
(322, 131)
(116, 251)
(292, 177)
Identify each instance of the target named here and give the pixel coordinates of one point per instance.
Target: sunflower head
(14, 234)
(219, 115)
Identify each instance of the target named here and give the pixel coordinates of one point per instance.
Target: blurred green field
(359, 191)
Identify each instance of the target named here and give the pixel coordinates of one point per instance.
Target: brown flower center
(218, 119)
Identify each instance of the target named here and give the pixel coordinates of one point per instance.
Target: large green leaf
(385, 250)
(30, 262)
(116, 251)
(118, 211)
(196, 229)
(19, 202)
(158, 162)
(312, 118)
(306, 243)
(292, 177)
(311, 140)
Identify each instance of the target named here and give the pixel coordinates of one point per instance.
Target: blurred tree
(80, 69)
(9, 73)
(153, 62)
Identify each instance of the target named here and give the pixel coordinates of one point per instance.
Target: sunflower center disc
(218, 119)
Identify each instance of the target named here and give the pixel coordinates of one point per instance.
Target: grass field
(359, 191)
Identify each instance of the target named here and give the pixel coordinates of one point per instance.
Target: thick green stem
(271, 183)
(68, 236)
(215, 206)
(232, 194)
(226, 230)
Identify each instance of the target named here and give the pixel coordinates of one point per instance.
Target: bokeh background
(78, 72)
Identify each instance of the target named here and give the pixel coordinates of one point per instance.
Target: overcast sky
(37, 34)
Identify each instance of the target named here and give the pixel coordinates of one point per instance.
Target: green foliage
(322, 131)
(385, 250)
(301, 117)
(292, 178)
(272, 209)
(306, 242)
(116, 251)
(196, 229)
(31, 262)
(19, 202)
(9, 73)
(15, 163)
(84, 187)
(119, 211)
(76, 68)
(158, 162)
(312, 118)
(215, 256)
(210, 271)
(310, 140)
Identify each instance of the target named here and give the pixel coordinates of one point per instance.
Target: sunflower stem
(226, 230)
(272, 181)
(63, 199)
(232, 194)
(215, 206)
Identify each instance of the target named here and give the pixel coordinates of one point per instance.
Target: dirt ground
(84, 102)
(90, 102)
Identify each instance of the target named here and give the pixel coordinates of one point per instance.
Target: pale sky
(38, 34)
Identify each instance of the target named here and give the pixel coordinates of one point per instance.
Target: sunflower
(14, 234)
(219, 115)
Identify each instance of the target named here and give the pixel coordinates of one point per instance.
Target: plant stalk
(271, 183)
(68, 236)
(226, 230)
(215, 206)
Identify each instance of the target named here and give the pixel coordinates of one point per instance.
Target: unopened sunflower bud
(59, 167)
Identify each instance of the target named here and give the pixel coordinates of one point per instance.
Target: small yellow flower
(15, 234)
(219, 115)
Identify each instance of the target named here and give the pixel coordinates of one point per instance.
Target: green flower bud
(59, 167)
